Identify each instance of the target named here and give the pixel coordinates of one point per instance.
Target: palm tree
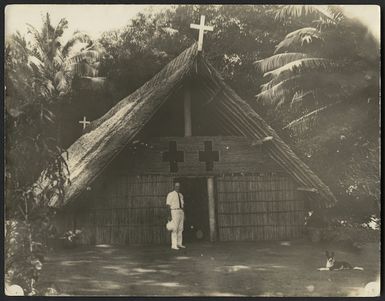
(322, 89)
(48, 66)
(315, 68)
(39, 76)
(78, 57)
(40, 72)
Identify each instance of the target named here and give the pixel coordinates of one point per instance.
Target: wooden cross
(173, 156)
(209, 156)
(201, 27)
(84, 122)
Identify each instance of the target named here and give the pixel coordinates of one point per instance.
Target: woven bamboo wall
(126, 210)
(258, 207)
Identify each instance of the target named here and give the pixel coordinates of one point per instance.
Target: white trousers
(176, 235)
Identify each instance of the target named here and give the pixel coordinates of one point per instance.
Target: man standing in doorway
(175, 202)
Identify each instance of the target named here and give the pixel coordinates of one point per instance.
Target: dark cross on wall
(173, 156)
(209, 156)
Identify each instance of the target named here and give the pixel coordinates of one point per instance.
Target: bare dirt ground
(204, 269)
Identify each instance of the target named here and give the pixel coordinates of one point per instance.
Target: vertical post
(211, 203)
(187, 112)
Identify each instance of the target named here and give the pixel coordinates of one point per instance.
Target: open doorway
(196, 226)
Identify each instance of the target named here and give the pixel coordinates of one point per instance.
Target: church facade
(239, 178)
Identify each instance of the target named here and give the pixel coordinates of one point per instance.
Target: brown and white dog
(333, 265)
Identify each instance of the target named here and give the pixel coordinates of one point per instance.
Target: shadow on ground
(220, 269)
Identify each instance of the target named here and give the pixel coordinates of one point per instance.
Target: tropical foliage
(40, 71)
(315, 68)
(322, 89)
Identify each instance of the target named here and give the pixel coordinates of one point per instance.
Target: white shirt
(173, 200)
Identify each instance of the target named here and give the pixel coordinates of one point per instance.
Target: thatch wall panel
(258, 207)
(128, 210)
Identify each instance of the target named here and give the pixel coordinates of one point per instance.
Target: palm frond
(58, 59)
(302, 66)
(304, 87)
(305, 31)
(35, 64)
(19, 43)
(46, 28)
(83, 69)
(280, 104)
(336, 12)
(295, 11)
(297, 39)
(278, 60)
(34, 32)
(299, 96)
(285, 11)
(329, 23)
(284, 89)
(328, 81)
(84, 55)
(37, 42)
(61, 81)
(78, 37)
(306, 122)
(59, 30)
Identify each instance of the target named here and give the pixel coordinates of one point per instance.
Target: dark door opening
(196, 225)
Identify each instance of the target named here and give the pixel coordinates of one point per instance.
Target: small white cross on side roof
(201, 27)
(84, 122)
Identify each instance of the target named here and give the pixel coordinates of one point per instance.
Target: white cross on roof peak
(201, 27)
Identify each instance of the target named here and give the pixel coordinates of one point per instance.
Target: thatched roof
(107, 136)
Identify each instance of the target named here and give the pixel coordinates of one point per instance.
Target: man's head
(177, 186)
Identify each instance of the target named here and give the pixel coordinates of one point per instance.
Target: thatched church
(240, 180)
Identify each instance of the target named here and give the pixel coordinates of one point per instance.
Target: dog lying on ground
(333, 265)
